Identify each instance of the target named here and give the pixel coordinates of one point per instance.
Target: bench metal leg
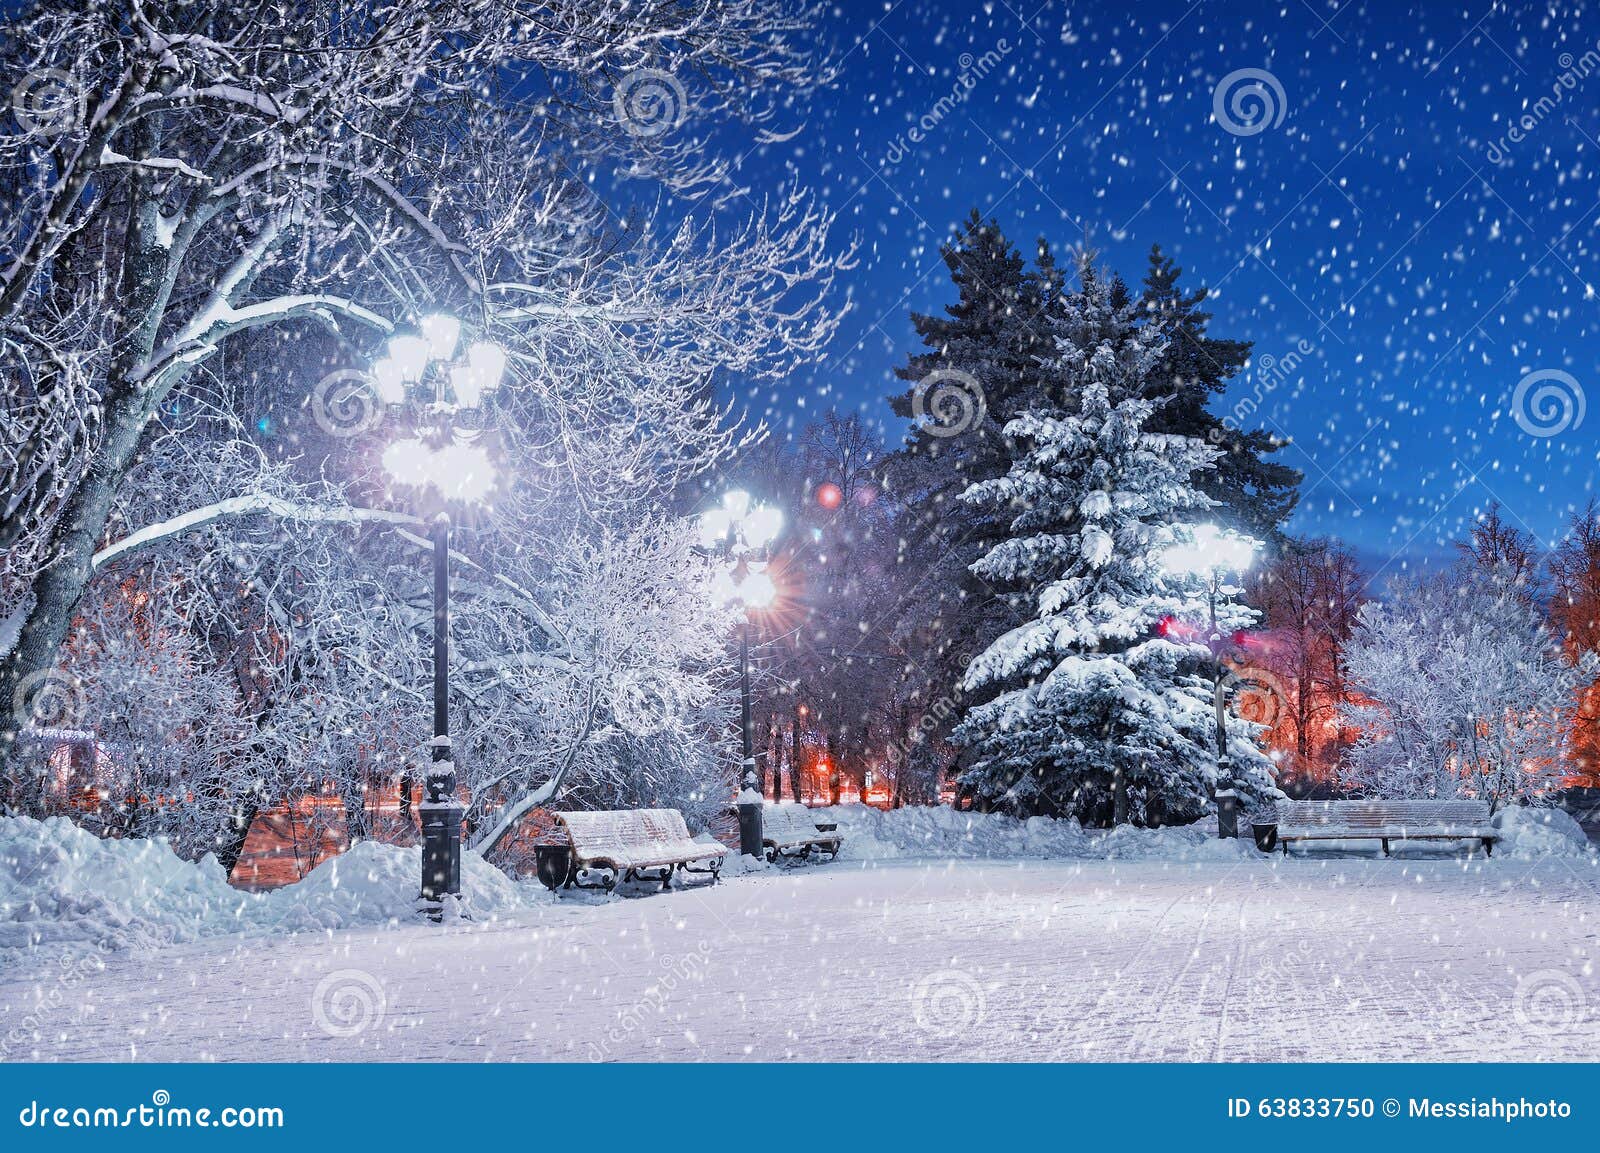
(1385, 845)
(714, 869)
(608, 882)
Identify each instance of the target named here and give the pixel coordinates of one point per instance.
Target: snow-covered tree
(239, 198)
(1092, 708)
(1253, 491)
(1465, 693)
(1575, 619)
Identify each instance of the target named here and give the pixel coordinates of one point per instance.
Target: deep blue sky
(1372, 223)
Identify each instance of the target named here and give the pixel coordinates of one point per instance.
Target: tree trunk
(795, 763)
(775, 757)
(1119, 797)
(126, 408)
(57, 590)
(238, 831)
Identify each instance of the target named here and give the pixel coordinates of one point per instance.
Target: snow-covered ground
(1160, 947)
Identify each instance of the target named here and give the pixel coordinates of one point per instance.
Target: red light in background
(830, 496)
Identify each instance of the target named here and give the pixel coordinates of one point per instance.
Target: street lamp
(1211, 552)
(738, 534)
(446, 460)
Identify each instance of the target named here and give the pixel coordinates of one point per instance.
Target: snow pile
(1530, 833)
(60, 885)
(375, 884)
(939, 831)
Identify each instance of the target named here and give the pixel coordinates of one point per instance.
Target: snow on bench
(623, 843)
(1385, 821)
(789, 830)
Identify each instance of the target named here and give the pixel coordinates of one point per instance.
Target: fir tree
(1257, 494)
(979, 366)
(989, 344)
(1089, 708)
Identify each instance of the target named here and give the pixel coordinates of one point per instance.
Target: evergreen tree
(991, 338)
(1257, 494)
(1090, 708)
(979, 366)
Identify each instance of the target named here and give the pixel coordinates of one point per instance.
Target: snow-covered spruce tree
(1092, 710)
(1255, 492)
(980, 365)
(1462, 692)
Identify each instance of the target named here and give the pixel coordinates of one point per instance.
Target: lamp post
(1210, 553)
(738, 534)
(446, 462)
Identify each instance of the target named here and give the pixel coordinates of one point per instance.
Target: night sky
(1386, 231)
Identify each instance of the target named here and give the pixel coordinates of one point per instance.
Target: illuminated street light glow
(389, 381)
(762, 526)
(442, 331)
(410, 355)
(1210, 549)
(488, 364)
(461, 472)
(714, 526)
(757, 590)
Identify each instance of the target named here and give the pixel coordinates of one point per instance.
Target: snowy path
(1121, 960)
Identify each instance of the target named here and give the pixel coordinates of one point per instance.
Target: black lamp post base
(750, 827)
(441, 853)
(1227, 813)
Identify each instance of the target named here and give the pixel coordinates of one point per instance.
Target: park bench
(635, 844)
(1385, 821)
(790, 831)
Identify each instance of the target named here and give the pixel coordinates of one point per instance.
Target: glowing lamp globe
(441, 331)
(714, 527)
(757, 590)
(389, 381)
(487, 363)
(410, 356)
(762, 526)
